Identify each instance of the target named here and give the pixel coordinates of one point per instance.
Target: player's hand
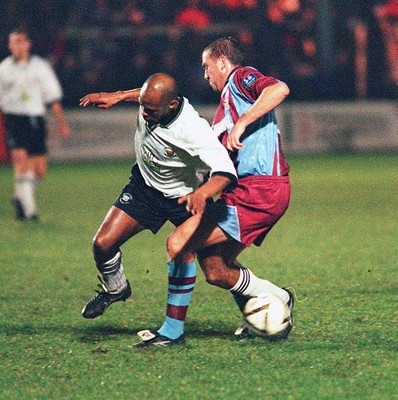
(195, 202)
(233, 140)
(101, 100)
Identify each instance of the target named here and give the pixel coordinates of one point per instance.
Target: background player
(27, 85)
(245, 123)
(171, 143)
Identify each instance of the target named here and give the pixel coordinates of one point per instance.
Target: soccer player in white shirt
(28, 85)
(172, 143)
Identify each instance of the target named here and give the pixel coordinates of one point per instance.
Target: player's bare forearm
(196, 201)
(269, 99)
(63, 127)
(109, 99)
(214, 185)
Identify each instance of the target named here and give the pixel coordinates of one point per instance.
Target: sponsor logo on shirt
(248, 81)
(149, 159)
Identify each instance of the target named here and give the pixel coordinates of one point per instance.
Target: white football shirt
(170, 156)
(27, 87)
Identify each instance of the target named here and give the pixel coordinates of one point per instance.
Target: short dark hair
(228, 47)
(19, 30)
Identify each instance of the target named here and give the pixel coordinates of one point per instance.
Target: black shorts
(24, 132)
(148, 206)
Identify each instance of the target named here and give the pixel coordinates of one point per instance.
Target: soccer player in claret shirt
(245, 123)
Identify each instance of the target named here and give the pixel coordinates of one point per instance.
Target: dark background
(312, 45)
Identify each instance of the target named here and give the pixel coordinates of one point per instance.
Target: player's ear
(222, 62)
(173, 104)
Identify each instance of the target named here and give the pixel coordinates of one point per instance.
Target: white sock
(113, 274)
(24, 191)
(250, 285)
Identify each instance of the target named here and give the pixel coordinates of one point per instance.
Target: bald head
(160, 86)
(158, 97)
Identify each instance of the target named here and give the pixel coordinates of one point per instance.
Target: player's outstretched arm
(109, 99)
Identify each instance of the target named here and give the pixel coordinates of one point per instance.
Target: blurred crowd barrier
(327, 51)
(305, 128)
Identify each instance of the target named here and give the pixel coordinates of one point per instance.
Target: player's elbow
(283, 89)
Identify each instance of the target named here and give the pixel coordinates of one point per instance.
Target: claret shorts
(249, 212)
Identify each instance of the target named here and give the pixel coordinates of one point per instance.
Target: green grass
(337, 246)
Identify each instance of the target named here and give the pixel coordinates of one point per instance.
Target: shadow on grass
(82, 333)
(204, 329)
(106, 332)
(102, 333)
(197, 331)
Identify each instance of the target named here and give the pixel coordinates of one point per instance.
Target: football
(267, 316)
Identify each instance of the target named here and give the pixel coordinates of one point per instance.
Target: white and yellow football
(267, 316)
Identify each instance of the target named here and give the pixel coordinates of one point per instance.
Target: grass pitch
(337, 246)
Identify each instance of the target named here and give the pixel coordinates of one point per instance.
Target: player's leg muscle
(20, 161)
(194, 234)
(115, 230)
(216, 261)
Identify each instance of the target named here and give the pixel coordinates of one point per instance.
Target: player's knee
(177, 252)
(174, 248)
(102, 246)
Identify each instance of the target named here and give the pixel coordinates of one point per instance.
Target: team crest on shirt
(169, 152)
(249, 80)
(125, 198)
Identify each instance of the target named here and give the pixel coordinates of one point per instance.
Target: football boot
(103, 299)
(154, 339)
